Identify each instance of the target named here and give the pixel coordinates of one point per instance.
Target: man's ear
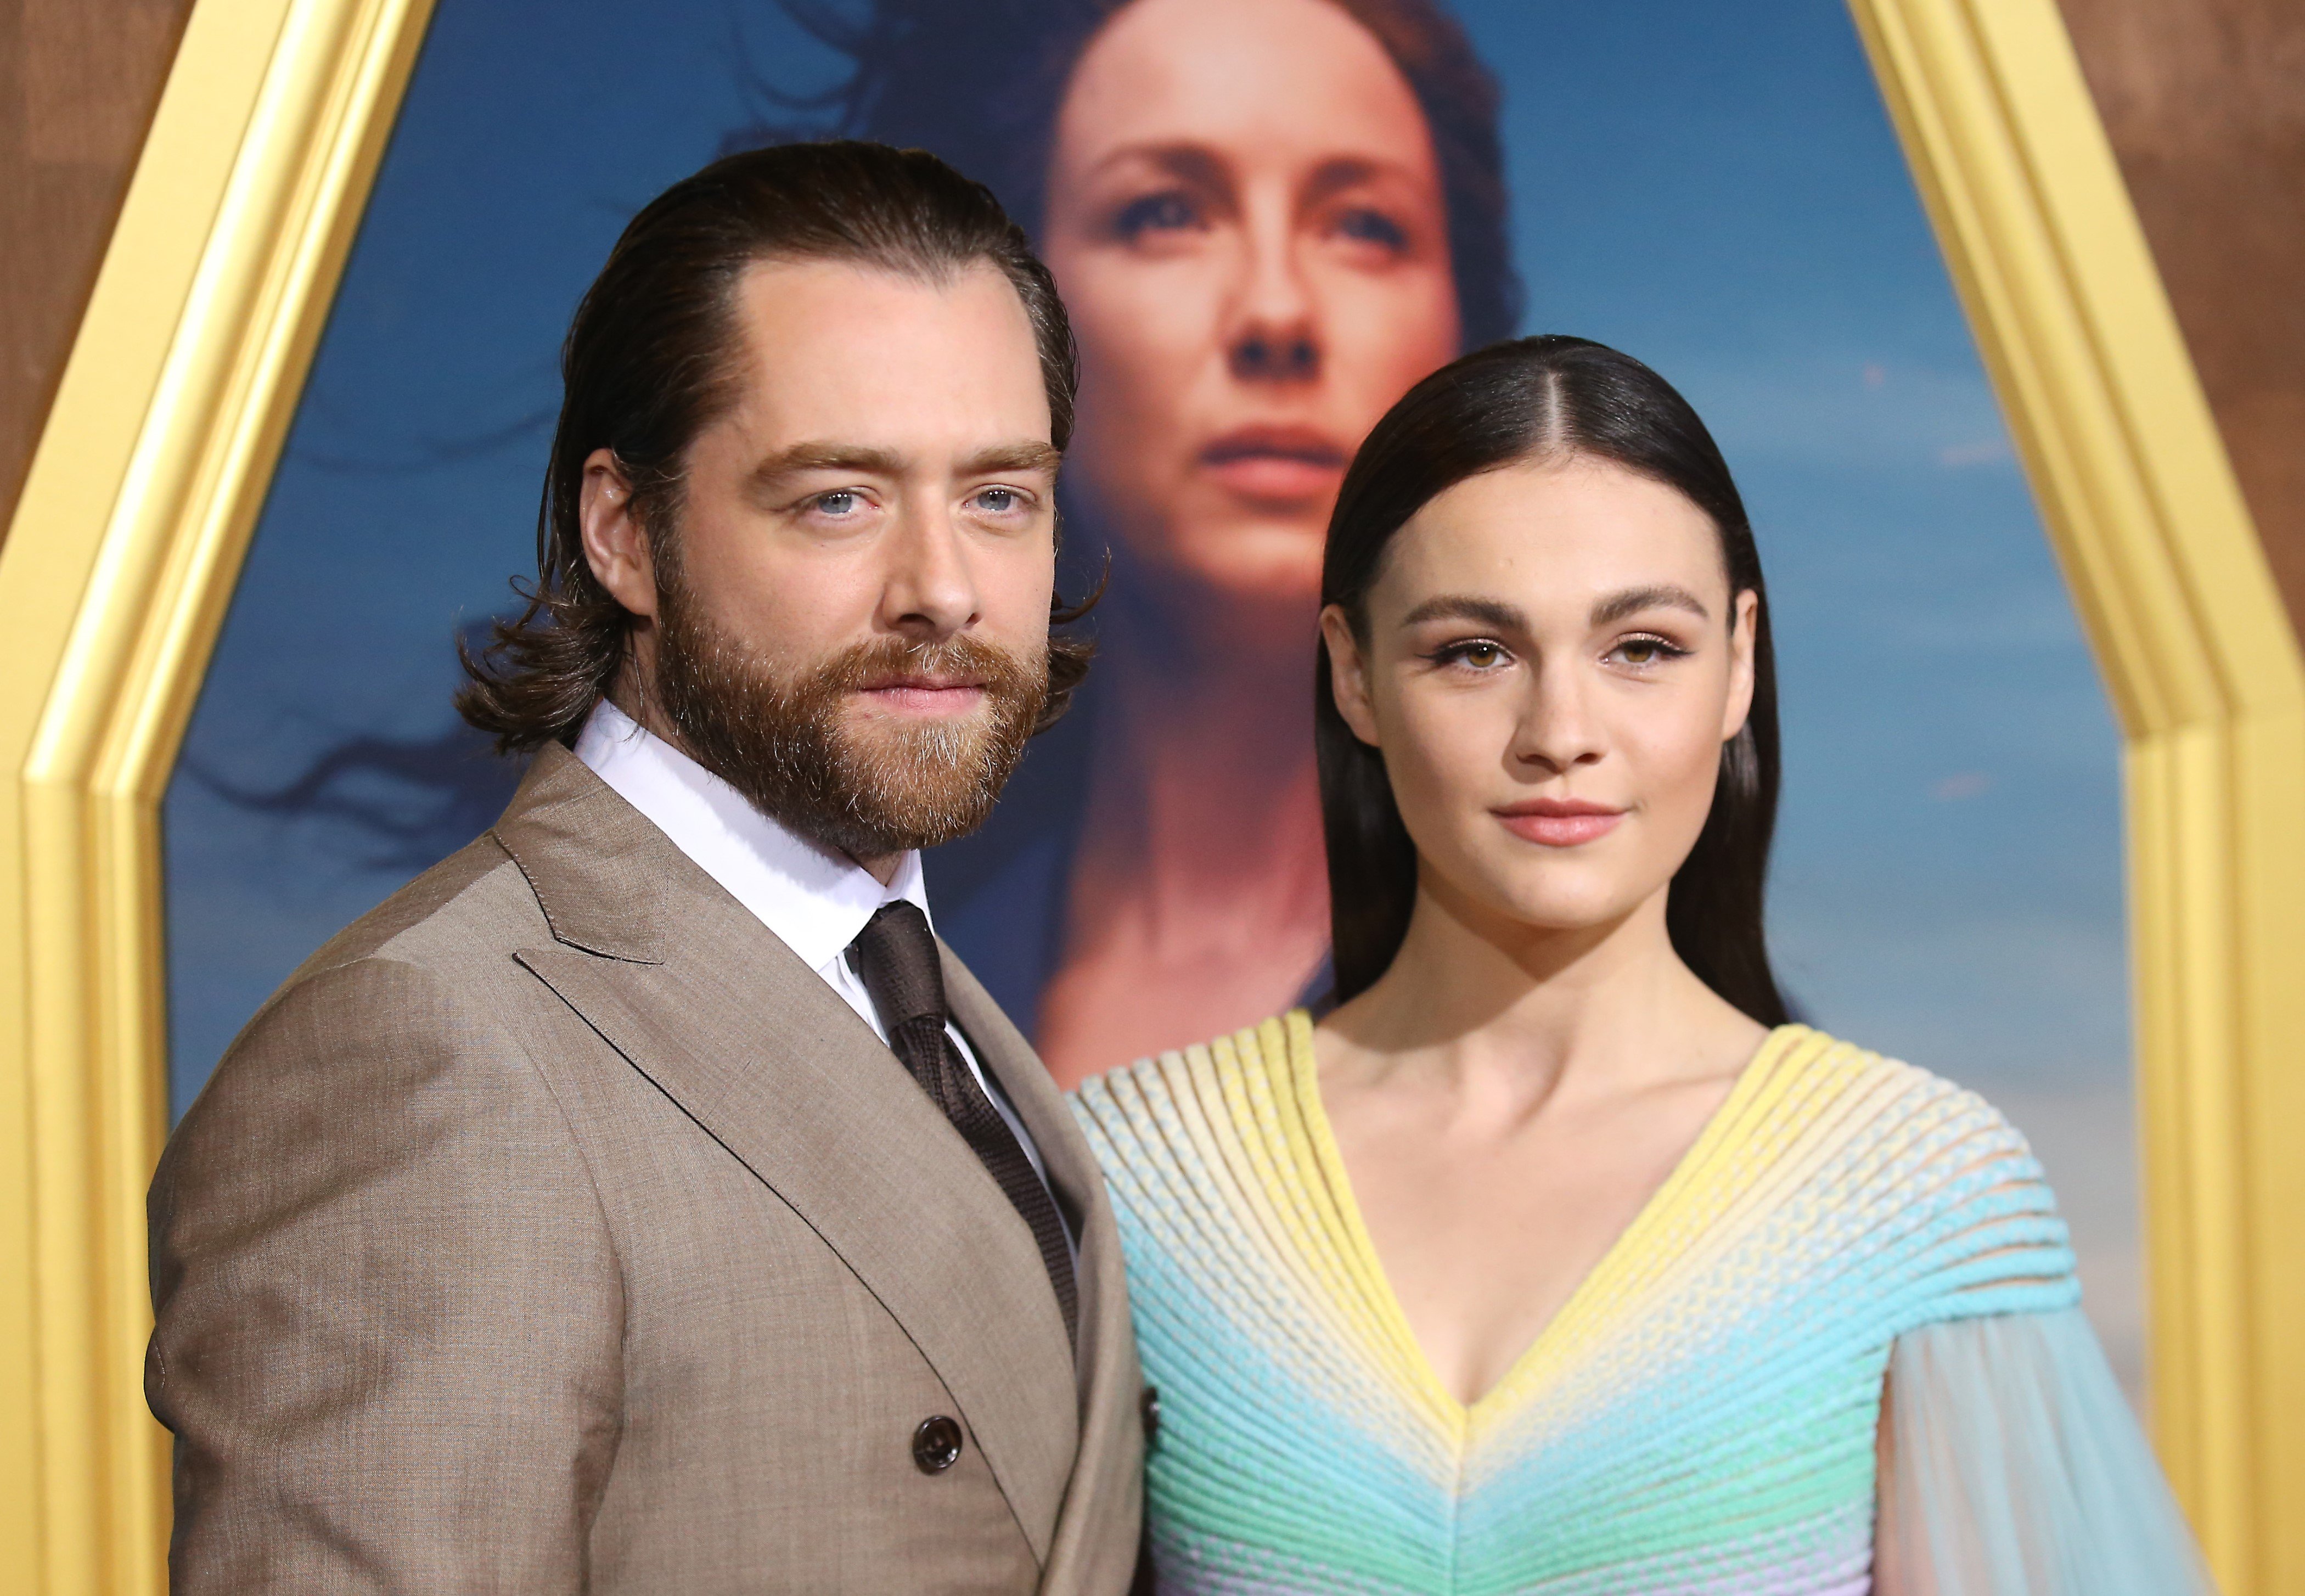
(1348, 674)
(615, 545)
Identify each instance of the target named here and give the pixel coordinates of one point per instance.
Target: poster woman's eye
(1167, 211)
(1367, 227)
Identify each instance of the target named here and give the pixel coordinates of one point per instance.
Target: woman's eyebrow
(1616, 606)
(1339, 172)
(1465, 606)
(1187, 163)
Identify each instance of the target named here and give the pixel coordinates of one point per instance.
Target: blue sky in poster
(1714, 189)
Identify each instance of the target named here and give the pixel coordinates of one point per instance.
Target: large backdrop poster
(1269, 218)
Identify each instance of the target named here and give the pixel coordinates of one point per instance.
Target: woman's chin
(1251, 560)
(1510, 903)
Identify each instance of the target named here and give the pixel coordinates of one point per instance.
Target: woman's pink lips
(1276, 463)
(1560, 822)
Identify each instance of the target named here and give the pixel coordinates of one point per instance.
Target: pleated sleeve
(2013, 1466)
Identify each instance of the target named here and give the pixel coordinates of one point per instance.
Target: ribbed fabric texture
(1700, 1417)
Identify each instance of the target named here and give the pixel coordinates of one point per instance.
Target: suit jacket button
(1148, 1407)
(935, 1445)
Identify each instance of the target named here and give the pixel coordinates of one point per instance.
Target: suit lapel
(754, 1046)
(1065, 1154)
(1101, 1510)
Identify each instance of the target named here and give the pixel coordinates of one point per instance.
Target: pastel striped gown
(1701, 1415)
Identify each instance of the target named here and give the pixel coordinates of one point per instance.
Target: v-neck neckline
(1304, 1067)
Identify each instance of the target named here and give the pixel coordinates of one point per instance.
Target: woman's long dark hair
(1535, 399)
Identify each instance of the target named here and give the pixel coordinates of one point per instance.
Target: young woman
(1554, 1258)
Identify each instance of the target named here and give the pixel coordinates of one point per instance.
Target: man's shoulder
(475, 899)
(443, 939)
(405, 1023)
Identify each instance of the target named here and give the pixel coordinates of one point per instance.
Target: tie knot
(895, 956)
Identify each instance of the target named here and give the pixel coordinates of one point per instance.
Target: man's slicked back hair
(655, 354)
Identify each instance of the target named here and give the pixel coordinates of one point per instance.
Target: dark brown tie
(896, 957)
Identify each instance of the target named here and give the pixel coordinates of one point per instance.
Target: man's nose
(928, 589)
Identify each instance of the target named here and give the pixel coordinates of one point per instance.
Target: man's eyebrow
(1616, 606)
(1031, 456)
(817, 457)
(1465, 606)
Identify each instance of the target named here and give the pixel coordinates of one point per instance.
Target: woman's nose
(1275, 354)
(1556, 732)
(1275, 336)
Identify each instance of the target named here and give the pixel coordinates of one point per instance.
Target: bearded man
(644, 1199)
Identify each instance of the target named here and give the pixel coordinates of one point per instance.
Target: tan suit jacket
(555, 1228)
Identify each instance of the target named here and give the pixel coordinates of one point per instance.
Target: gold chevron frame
(2207, 678)
(128, 540)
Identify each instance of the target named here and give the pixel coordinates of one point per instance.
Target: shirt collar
(816, 901)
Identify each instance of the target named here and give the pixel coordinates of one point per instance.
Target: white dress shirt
(813, 901)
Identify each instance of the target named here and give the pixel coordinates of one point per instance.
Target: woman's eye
(1367, 227)
(1638, 651)
(1480, 654)
(1168, 212)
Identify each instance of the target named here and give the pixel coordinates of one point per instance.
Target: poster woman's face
(1245, 215)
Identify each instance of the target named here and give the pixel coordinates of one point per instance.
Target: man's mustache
(954, 661)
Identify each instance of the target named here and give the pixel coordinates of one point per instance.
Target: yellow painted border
(2205, 675)
(114, 578)
(128, 539)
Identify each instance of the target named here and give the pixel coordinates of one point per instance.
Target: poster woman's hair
(980, 84)
(1540, 399)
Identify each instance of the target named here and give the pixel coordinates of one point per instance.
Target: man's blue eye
(1167, 211)
(837, 504)
(998, 500)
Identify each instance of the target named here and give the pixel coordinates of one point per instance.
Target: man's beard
(787, 745)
